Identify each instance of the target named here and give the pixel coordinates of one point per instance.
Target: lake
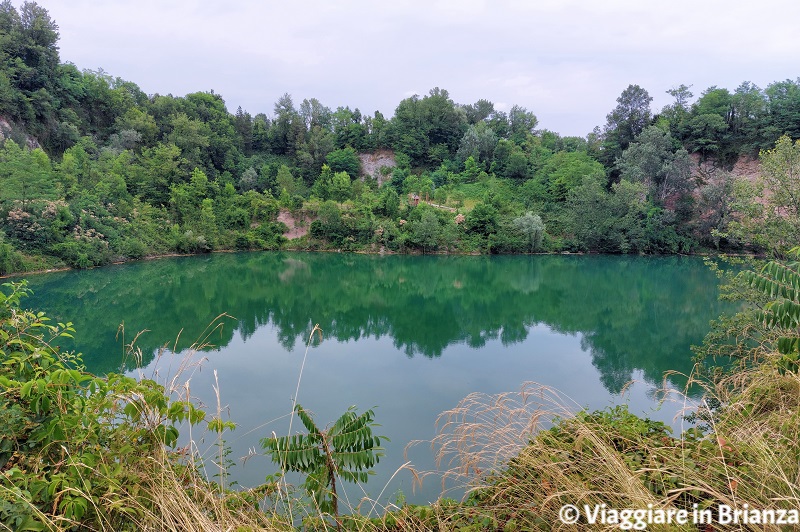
(408, 335)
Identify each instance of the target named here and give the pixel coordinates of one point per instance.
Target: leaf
(307, 420)
(30, 525)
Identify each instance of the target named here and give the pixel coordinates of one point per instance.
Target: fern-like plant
(780, 281)
(348, 450)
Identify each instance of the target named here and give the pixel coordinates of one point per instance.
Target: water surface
(410, 336)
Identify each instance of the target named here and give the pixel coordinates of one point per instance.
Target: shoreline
(363, 252)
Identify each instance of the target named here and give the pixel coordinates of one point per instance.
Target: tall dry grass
(520, 456)
(524, 455)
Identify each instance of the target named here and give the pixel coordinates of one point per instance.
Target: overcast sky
(565, 60)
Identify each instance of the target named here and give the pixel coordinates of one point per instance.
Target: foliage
(478, 142)
(10, 260)
(87, 138)
(714, 208)
(620, 221)
(625, 122)
(481, 220)
(347, 450)
(425, 232)
(74, 447)
(769, 210)
(25, 175)
(345, 160)
(653, 160)
(559, 175)
(780, 282)
(532, 227)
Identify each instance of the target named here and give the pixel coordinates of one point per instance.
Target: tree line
(94, 170)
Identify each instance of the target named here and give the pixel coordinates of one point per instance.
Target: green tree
(422, 128)
(714, 208)
(340, 187)
(479, 142)
(566, 170)
(707, 130)
(676, 114)
(29, 52)
(314, 114)
(705, 134)
(347, 450)
(478, 111)
(311, 157)
(329, 224)
(481, 220)
(25, 175)
(285, 127)
(783, 106)
(243, 122)
(749, 108)
(472, 171)
(521, 123)
(426, 231)
(345, 160)
(623, 124)
(769, 210)
(293, 186)
(653, 160)
(510, 161)
(714, 101)
(248, 180)
(682, 95)
(140, 121)
(349, 129)
(159, 168)
(186, 199)
(193, 137)
(10, 260)
(388, 202)
(619, 221)
(532, 227)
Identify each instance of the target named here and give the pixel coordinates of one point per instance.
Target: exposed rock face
(371, 164)
(746, 166)
(8, 130)
(296, 228)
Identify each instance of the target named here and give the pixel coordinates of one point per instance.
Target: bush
(83, 254)
(189, 242)
(132, 248)
(10, 260)
(74, 446)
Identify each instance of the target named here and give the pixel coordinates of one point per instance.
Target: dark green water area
(408, 335)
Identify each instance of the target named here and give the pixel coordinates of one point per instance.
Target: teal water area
(408, 335)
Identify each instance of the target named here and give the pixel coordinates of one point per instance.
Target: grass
(520, 456)
(524, 455)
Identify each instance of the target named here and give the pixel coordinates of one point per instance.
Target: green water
(410, 336)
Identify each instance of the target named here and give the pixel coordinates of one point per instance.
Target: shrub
(84, 253)
(74, 448)
(133, 248)
(10, 260)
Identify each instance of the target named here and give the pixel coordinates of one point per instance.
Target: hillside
(93, 170)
